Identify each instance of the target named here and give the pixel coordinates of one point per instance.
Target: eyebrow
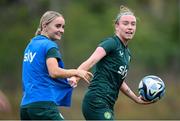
(128, 21)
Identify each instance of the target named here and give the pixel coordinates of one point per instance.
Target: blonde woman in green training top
(111, 59)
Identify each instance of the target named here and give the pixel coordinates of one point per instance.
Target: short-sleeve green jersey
(53, 52)
(110, 71)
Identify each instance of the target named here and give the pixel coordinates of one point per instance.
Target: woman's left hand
(72, 81)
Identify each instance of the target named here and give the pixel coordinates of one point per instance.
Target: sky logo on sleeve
(29, 56)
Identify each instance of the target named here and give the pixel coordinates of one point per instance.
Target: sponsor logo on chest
(123, 71)
(29, 56)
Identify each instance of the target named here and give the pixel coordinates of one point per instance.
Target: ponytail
(47, 17)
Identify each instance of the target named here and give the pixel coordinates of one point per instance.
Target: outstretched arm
(128, 92)
(97, 55)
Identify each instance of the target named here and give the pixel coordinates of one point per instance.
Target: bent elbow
(53, 74)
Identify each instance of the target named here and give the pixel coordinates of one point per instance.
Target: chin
(129, 38)
(57, 38)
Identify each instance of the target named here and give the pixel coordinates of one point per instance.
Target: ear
(44, 25)
(116, 25)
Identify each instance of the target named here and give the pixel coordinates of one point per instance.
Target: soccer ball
(151, 88)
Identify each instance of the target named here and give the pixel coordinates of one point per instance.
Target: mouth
(129, 33)
(58, 34)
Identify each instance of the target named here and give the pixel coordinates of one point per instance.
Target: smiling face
(55, 29)
(125, 28)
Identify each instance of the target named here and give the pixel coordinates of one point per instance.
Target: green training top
(110, 71)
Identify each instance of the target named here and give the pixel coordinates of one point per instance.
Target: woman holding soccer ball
(111, 59)
(44, 78)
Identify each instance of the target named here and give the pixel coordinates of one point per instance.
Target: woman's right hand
(140, 100)
(85, 75)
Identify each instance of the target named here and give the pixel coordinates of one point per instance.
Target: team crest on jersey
(107, 115)
(121, 53)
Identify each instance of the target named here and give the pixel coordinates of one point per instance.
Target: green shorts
(95, 108)
(44, 110)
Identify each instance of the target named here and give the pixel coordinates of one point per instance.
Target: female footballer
(44, 78)
(111, 59)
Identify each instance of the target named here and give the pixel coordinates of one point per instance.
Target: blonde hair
(47, 18)
(123, 11)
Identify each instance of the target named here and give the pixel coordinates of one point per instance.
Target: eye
(133, 23)
(125, 22)
(59, 26)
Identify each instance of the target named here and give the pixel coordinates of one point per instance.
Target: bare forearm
(56, 72)
(86, 65)
(63, 73)
(98, 54)
(128, 92)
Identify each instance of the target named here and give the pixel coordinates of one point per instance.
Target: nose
(129, 26)
(62, 30)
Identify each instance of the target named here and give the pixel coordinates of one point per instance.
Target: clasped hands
(85, 75)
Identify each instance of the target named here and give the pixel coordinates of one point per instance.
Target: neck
(44, 34)
(125, 42)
